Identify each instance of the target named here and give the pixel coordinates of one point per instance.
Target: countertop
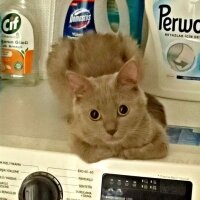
(30, 117)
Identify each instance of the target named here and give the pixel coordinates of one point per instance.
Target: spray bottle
(19, 43)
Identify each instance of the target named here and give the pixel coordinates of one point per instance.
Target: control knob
(40, 186)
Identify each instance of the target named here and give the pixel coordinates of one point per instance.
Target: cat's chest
(126, 143)
(116, 147)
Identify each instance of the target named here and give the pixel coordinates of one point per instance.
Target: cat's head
(107, 108)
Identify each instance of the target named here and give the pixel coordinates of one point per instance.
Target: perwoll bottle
(19, 43)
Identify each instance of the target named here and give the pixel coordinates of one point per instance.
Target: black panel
(121, 187)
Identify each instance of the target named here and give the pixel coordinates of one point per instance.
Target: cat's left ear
(78, 84)
(128, 76)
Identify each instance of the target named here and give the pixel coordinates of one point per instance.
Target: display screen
(121, 187)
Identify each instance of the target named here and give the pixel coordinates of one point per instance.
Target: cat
(97, 79)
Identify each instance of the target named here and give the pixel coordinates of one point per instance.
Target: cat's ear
(128, 76)
(78, 84)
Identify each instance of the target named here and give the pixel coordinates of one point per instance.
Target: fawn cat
(96, 77)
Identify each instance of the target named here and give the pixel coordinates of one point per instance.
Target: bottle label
(178, 26)
(79, 18)
(17, 44)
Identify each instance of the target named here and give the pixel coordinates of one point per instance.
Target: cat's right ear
(78, 84)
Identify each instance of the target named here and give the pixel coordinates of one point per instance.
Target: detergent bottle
(19, 43)
(173, 49)
(78, 17)
(73, 18)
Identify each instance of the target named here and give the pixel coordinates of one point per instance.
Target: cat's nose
(111, 131)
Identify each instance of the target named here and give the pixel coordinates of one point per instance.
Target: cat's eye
(95, 115)
(123, 110)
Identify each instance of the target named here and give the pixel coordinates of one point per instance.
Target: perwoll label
(17, 44)
(79, 18)
(178, 25)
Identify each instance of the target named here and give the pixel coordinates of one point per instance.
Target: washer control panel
(41, 175)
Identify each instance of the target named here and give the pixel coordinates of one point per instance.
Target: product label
(79, 18)
(178, 25)
(17, 44)
(74, 183)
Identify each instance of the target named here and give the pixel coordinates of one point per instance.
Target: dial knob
(40, 186)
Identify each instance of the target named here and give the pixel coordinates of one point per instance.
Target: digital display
(121, 187)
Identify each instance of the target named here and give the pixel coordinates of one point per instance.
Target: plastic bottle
(19, 42)
(73, 18)
(173, 49)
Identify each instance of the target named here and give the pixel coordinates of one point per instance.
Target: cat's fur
(102, 72)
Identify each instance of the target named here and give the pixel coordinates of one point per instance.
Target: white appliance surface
(33, 143)
(74, 179)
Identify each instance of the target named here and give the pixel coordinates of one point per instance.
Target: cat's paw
(129, 154)
(149, 151)
(100, 153)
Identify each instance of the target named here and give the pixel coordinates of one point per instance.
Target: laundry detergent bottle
(173, 49)
(19, 43)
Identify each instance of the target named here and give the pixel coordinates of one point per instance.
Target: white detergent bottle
(75, 17)
(19, 42)
(173, 49)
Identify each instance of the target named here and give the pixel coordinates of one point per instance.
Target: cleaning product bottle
(19, 42)
(77, 17)
(173, 49)
(135, 11)
(73, 18)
